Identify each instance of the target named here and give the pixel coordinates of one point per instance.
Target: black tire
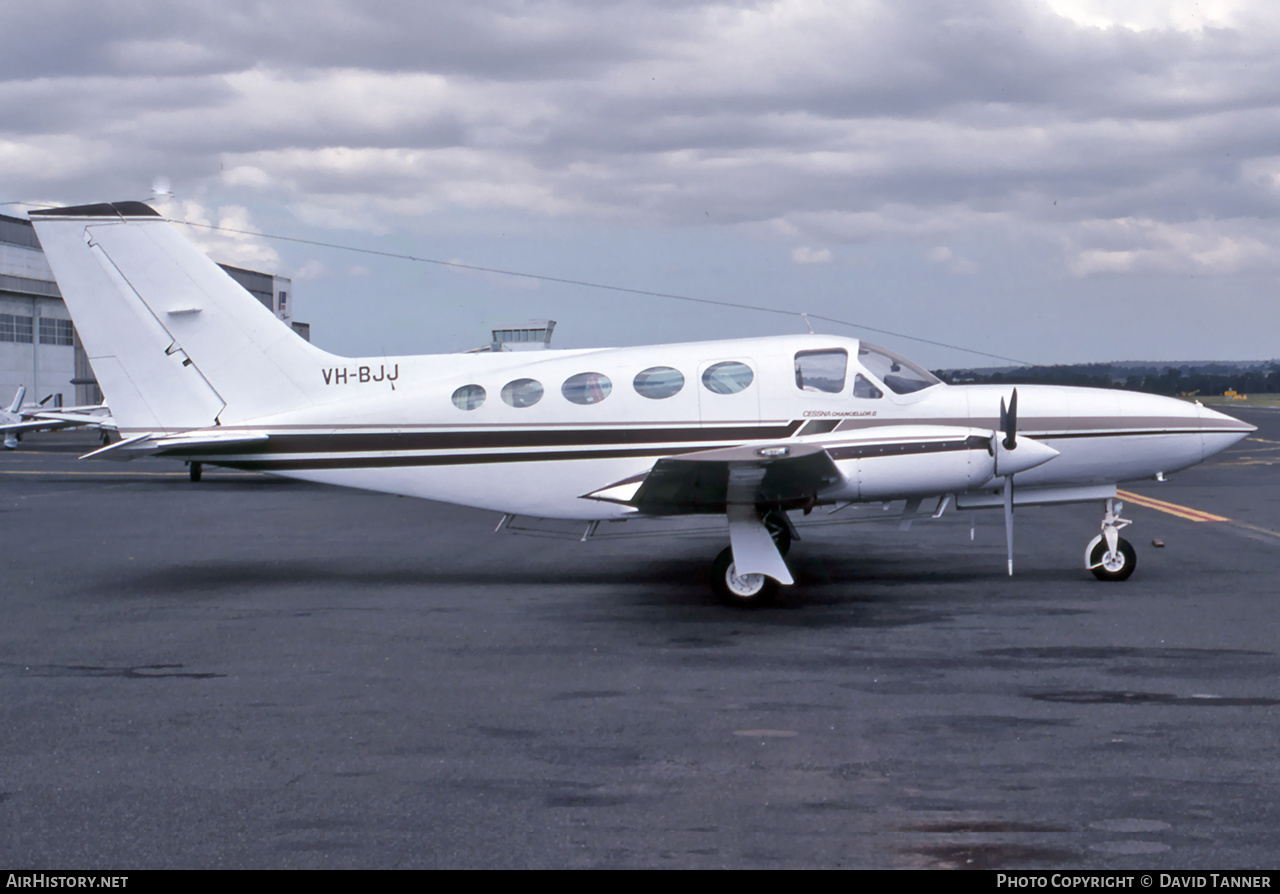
(775, 522)
(1126, 560)
(196, 471)
(749, 591)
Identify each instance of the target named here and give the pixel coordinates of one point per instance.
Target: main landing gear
(1109, 556)
(751, 590)
(740, 590)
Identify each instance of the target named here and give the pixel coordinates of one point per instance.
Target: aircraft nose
(1218, 431)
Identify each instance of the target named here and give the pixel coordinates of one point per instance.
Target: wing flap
(788, 475)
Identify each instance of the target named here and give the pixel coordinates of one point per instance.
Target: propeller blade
(1008, 520)
(1009, 421)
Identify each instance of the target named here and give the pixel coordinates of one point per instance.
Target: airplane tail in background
(174, 341)
(17, 399)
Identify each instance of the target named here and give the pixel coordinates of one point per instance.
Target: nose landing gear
(1109, 556)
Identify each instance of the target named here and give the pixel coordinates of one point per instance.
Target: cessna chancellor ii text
(196, 369)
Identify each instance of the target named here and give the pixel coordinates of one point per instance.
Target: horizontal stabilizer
(193, 443)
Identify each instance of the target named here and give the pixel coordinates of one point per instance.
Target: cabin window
(862, 387)
(522, 393)
(658, 382)
(901, 375)
(728, 377)
(468, 397)
(586, 388)
(822, 370)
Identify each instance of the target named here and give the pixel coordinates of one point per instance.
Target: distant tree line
(1190, 378)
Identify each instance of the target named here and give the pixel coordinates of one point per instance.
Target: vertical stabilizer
(17, 399)
(174, 341)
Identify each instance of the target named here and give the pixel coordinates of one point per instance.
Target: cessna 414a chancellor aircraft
(196, 369)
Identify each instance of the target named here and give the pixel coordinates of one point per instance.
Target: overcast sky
(1030, 178)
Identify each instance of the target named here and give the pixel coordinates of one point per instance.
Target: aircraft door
(728, 391)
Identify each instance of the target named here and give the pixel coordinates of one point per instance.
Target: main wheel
(196, 471)
(743, 591)
(775, 522)
(1117, 566)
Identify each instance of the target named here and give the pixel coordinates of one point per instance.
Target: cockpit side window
(899, 374)
(863, 388)
(822, 370)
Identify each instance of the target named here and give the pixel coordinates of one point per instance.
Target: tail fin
(174, 341)
(17, 399)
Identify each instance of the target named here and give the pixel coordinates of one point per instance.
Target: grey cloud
(493, 40)
(991, 111)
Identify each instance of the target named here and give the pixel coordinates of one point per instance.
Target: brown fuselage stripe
(454, 459)
(252, 462)
(374, 442)
(281, 452)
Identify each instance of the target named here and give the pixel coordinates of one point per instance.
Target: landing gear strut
(1109, 556)
(751, 590)
(779, 528)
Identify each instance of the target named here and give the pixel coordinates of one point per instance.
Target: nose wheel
(1115, 564)
(1109, 556)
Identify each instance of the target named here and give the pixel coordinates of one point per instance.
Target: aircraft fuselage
(536, 433)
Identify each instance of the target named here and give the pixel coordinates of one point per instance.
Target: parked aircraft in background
(19, 419)
(195, 369)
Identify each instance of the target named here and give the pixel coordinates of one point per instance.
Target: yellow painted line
(1256, 529)
(1186, 512)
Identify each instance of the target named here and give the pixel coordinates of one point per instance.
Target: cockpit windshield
(899, 374)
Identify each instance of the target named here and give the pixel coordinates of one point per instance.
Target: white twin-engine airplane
(18, 419)
(196, 369)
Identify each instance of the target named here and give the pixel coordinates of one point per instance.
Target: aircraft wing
(710, 480)
(54, 420)
(28, 425)
(94, 417)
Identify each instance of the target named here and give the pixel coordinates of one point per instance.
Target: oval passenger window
(468, 397)
(728, 377)
(658, 382)
(586, 388)
(522, 393)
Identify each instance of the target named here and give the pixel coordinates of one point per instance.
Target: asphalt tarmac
(251, 672)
